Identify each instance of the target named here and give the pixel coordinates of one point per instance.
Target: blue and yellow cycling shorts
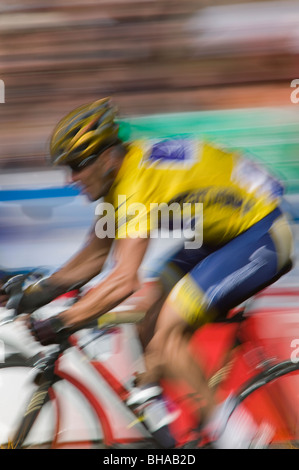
(207, 282)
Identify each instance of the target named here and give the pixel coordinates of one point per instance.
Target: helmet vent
(74, 132)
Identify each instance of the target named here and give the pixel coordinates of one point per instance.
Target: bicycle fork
(44, 379)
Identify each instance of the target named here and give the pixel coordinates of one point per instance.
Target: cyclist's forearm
(85, 265)
(119, 284)
(79, 270)
(101, 299)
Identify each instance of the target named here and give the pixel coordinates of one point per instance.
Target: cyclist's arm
(120, 283)
(74, 274)
(85, 265)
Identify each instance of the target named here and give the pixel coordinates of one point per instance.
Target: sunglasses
(76, 167)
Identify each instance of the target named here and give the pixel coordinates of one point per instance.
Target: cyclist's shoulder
(156, 153)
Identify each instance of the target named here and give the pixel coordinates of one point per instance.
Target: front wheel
(272, 398)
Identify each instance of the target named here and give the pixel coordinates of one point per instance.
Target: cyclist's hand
(31, 298)
(12, 291)
(48, 331)
(5, 281)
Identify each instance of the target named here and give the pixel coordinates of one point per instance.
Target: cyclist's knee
(191, 304)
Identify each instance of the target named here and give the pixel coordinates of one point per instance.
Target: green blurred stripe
(271, 135)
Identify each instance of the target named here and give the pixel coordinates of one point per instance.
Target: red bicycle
(78, 380)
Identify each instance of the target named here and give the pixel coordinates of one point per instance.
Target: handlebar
(13, 286)
(14, 289)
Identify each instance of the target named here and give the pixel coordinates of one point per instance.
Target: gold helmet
(84, 133)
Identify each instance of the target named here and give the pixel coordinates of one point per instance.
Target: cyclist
(238, 240)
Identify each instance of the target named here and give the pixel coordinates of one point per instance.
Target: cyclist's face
(94, 180)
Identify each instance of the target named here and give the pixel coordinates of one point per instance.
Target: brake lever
(14, 289)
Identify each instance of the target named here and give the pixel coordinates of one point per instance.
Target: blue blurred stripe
(23, 194)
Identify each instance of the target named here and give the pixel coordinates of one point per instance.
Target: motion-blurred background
(151, 56)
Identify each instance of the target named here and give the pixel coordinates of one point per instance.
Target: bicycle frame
(117, 387)
(50, 372)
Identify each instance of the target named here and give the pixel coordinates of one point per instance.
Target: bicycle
(48, 374)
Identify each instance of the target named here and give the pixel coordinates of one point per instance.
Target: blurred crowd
(151, 56)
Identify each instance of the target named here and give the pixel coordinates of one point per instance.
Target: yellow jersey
(233, 192)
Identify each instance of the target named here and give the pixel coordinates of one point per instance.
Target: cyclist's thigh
(228, 276)
(180, 263)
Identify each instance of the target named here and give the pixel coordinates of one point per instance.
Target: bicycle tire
(266, 377)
